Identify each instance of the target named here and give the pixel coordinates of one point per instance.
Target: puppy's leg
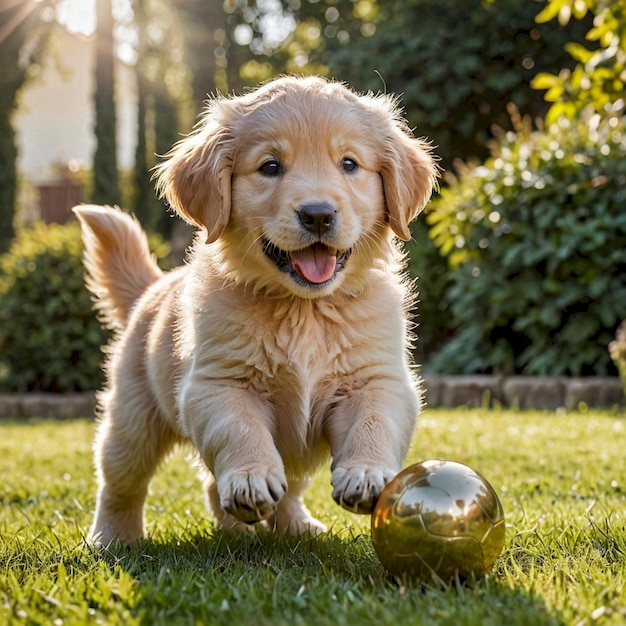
(292, 517)
(130, 442)
(369, 431)
(231, 427)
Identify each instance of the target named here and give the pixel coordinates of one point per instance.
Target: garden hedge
(536, 244)
(50, 339)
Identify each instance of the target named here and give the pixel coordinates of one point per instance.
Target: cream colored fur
(267, 374)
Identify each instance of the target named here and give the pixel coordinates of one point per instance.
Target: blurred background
(520, 260)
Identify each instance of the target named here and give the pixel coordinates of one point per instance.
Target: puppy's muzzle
(318, 263)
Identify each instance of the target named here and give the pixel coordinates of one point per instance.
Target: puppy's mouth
(313, 266)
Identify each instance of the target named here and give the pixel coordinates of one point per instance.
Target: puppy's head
(301, 183)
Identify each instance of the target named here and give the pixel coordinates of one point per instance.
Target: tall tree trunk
(8, 172)
(143, 202)
(20, 24)
(205, 25)
(143, 191)
(166, 134)
(106, 183)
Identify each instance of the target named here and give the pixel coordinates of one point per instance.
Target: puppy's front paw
(357, 489)
(252, 496)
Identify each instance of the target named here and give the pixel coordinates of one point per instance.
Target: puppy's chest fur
(299, 356)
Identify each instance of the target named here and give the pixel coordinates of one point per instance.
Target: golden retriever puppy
(283, 341)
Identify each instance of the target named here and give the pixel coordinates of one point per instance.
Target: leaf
(550, 11)
(544, 80)
(560, 110)
(565, 13)
(554, 94)
(579, 52)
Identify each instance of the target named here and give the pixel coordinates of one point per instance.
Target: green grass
(561, 479)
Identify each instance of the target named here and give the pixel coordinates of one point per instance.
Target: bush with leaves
(536, 239)
(599, 78)
(50, 339)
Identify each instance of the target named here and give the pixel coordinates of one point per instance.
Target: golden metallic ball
(438, 519)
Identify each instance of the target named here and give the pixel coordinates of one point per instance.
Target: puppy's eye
(348, 165)
(271, 168)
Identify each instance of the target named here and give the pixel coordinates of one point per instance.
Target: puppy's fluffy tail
(117, 259)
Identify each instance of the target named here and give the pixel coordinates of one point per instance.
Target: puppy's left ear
(409, 174)
(196, 176)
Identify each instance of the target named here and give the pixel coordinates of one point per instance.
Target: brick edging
(524, 392)
(47, 405)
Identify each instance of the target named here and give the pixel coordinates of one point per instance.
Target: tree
(25, 26)
(106, 183)
(143, 191)
(208, 48)
(143, 197)
(184, 53)
(455, 76)
(163, 90)
(273, 37)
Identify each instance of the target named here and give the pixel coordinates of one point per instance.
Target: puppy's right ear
(196, 176)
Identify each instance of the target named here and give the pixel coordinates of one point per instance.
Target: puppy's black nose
(317, 217)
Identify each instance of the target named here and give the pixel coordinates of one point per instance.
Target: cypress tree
(20, 24)
(106, 183)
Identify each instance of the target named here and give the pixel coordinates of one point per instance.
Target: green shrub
(536, 241)
(50, 339)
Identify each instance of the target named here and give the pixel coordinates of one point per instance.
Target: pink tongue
(315, 263)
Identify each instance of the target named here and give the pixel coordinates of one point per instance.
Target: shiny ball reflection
(438, 519)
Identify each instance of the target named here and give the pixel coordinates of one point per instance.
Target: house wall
(55, 118)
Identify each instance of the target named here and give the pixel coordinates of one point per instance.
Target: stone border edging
(523, 392)
(47, 405)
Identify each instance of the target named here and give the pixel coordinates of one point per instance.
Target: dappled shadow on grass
(329, 579)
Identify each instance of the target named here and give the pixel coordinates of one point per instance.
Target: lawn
(561, 479)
